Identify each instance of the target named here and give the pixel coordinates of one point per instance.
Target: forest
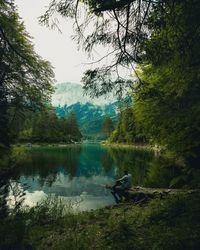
(46, 127)
(159, 42)
(165, 92)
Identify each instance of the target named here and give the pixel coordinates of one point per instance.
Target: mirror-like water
(79, 173)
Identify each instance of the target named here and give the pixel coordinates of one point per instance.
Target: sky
(51, 45)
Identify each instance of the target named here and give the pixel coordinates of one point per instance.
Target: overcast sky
(53, 46)
(58, 48)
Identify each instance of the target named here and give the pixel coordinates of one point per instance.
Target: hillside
(70, 97)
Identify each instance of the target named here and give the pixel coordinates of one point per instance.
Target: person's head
(125, 172)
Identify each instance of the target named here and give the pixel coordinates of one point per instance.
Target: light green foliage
(17, 154)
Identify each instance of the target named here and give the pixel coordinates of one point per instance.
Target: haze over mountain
(70, 97)
(71, 93)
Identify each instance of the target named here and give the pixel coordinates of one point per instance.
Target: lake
(78, 173)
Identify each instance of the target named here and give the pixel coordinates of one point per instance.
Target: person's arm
(123, 178)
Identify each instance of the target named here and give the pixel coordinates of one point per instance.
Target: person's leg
(118, 192)
(115, 191)
(115, 196)
(125, 194)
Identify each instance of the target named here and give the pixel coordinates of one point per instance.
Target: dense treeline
(45, 126)
(25, 78)
(167, 94)
(167, 99)
(107, 126)
(128, 130)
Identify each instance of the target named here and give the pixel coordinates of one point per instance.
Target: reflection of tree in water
(50, 179)
(107, 161)
(73, 156)
(162, 172)
(46, 163)
(135, 161)
(91, 161)
(146, 168)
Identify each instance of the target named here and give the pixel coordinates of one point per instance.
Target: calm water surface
(79, 172)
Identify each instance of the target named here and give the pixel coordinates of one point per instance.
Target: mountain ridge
(90, 113)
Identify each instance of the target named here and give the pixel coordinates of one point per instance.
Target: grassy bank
(129, 146)
(170, 223)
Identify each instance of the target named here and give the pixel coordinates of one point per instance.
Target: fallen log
(139, 194)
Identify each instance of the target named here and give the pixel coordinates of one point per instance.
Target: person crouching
(121, 186)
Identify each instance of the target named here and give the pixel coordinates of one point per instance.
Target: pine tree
(107, 126)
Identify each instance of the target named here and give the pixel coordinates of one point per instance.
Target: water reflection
(70, 172)
(147, 169)
(93, 196)
(45, 163)
(80, 172)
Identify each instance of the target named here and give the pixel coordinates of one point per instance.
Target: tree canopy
(107, 126)
(44, 126)
(167, 100)
(25, 78)
(119, 25)
(128, 130)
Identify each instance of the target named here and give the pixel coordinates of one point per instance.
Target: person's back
(126, 180)
(121, 186)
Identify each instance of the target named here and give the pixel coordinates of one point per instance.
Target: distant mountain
(71, 93)
(89, 116)
(69, 97)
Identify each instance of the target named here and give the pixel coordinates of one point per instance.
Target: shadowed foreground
(168, 223)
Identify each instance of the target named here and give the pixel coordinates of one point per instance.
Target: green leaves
(107, 126)
(167, 101)
(128, 130)
(25, 79)
(46, 127)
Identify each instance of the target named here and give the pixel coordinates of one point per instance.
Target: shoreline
(123, 145)
(147, 147)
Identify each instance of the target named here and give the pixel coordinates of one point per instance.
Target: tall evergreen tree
(128, 130)
(45, 126)
(107, 126)
(73, 128)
